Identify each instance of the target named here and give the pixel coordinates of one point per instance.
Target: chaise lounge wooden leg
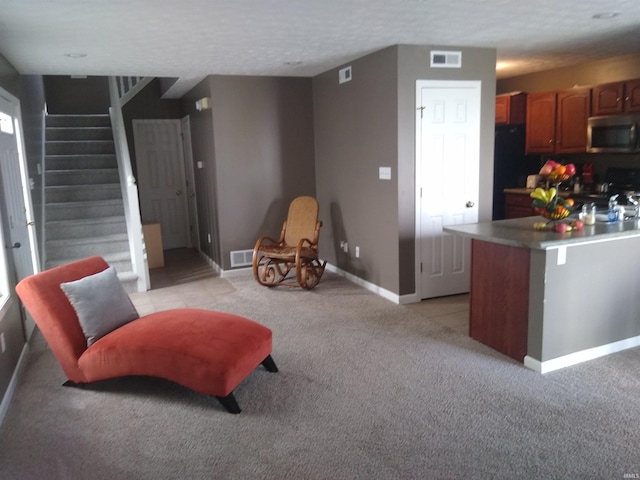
(229, 402)
(69, 383)
(269, 364)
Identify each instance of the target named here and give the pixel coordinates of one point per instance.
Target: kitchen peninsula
(551, 300)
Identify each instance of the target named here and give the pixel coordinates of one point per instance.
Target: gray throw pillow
(101, 303)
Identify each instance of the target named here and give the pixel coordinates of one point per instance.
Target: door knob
(16, 245)
(470, 204)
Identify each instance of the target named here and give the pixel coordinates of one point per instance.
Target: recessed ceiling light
(605, 15)
(75, 55)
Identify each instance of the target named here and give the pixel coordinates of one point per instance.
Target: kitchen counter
(519, 232)
(551, 300)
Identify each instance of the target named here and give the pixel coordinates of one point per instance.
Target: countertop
(519, 232)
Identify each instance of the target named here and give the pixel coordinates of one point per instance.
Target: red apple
(561, 227)
(570, 169)
(577, 225)
(546, 170)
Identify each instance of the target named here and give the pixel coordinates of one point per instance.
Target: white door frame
(418, 168)
(24, 181)
(192, 204)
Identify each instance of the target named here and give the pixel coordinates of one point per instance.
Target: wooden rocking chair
(297, 249)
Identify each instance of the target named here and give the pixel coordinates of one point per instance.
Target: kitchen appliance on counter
(511, 167)
(621, 182)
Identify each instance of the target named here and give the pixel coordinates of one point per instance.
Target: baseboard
(211, 263)
(581, 356)
(236, 272)
(365, 284)
(11, 388)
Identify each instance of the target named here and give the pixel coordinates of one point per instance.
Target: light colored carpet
(366, 390)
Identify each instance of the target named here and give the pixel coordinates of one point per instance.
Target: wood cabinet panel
(573, 110)
(499, 298)
(632, 96)
(511, 108)
(541, 115)
(517, 205)
(557, 121)
(616, 98)
(608, 98)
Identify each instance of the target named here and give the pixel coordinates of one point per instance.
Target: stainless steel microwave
(613, 134)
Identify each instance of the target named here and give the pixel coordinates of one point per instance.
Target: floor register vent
(241, 258)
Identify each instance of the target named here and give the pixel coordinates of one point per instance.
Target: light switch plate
(384, 173)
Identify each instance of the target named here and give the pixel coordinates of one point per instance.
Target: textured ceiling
(191, 39)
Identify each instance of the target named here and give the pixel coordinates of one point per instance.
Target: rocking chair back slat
(301, 220)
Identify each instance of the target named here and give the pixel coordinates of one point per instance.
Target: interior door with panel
(161, 179)
(447, 176)
(16, 196)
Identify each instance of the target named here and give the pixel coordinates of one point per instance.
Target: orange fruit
(559, 170)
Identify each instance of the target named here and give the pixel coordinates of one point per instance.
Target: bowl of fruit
(549, 204)
(556, 172)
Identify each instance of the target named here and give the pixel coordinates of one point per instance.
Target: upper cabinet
(511, 108)
(557, 121)
(616, 98)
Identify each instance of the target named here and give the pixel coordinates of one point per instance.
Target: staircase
(84, 210)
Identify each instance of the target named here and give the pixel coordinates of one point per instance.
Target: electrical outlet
(345, 247)
(357, 252)
(209, 237)
(3, 344)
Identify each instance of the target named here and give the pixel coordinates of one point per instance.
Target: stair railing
(129, 190)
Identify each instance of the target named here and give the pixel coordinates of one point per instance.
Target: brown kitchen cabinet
(517, 205)
(557, 121)
(616, 98)
(511, 108)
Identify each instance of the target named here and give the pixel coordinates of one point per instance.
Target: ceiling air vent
(440, 59)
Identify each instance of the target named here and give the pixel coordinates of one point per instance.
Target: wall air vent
(441, 59)
(241, 258)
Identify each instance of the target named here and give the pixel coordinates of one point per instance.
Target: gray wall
(205, 178)
(613, 69)
(356, 129)
(256, 145)
(9, 77)
(577, 315)
(66, 95)
(370, 122)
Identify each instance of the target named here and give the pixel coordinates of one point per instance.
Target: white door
(447, 175)
(161, 179)
(17, 195)
(191, 184)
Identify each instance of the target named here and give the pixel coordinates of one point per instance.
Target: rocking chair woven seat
(295, 251)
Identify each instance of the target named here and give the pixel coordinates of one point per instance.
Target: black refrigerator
(510, 164)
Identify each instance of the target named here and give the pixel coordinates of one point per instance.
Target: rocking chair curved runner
(296, 250)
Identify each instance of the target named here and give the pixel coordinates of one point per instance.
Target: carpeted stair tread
(114, 259)
(84, 241)
(86, 221)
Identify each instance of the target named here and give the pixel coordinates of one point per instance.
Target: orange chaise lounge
(209, 352)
